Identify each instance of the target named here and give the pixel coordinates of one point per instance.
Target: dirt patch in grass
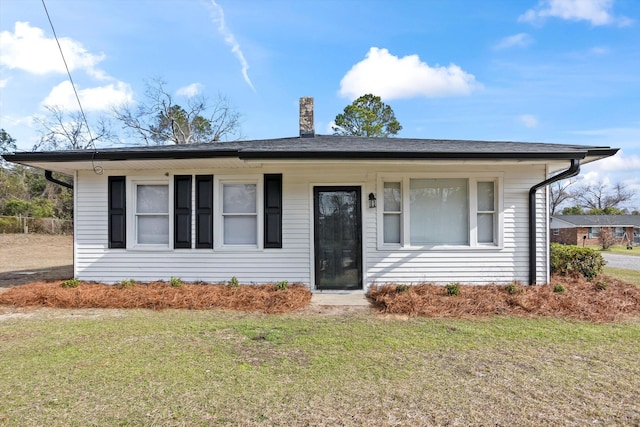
(158, 296)
(20, 252)
(30, 258)
(602, 300)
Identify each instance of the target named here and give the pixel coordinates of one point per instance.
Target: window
(486, 212)
(439, 212)
(619, 232)
(594, 232)
(392, 215)
(448, 211)
(186, 213)
(239, 213)
(556, 231)
(152, 214)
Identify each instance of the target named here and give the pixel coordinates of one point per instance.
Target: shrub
(559, 289)
(175, 282)
(125, 284)
(282, 285)
(402, 288)
(10, 225)
(512, 288)
(453, 289)
(569, 260)
(233, 282)
(71, 283)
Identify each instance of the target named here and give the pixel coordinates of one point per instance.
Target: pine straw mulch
(581, 300)
(159, 296)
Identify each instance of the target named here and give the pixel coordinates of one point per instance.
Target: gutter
(573, 170)
(49, 177)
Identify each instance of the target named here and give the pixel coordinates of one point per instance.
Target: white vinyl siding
(382, 263)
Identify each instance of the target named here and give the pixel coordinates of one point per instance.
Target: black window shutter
(182, 211)
(273, 211)
(204, 211)
(117, 212)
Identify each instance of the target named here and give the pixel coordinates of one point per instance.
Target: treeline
(25, 192)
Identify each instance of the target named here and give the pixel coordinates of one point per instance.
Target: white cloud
(517, 40)
(190, 91)
(619, 163)
(29, 50)
(100, 98)
(528, 120)
(217, 16)
(389, 77)
(599, 50)
(597, 12)
(3, 83)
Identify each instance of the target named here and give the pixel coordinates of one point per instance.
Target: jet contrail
(217, 16)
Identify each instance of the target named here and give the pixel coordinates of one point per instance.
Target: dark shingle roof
(332, 147)
(600, 220)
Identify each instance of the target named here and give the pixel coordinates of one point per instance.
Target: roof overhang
(320, 148)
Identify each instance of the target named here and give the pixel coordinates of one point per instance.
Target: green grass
(620, 250)
(138, 367)
(629, 276)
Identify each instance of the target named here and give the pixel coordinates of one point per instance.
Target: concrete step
(339, 298)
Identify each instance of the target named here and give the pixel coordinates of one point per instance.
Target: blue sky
(557, 71)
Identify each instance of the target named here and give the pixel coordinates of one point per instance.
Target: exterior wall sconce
(372, 200)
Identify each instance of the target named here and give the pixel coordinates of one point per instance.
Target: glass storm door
(338, 238)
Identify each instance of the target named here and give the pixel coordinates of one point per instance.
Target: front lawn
(620, 250)
(191, 367)
(629, 276)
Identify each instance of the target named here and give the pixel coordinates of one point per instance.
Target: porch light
(372, 200)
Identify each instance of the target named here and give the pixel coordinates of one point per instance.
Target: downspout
(49, 177)
(573, 170)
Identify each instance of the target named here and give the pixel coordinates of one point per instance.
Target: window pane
(439, 211)
(485, 196)
(152, 198)
(153, 229)
(485, 228)
(240, 230)
(391, 228)
(392, 197)
(239, 198)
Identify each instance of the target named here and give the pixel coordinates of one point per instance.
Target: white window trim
(132, 232)
(405, 227)
(218, 222)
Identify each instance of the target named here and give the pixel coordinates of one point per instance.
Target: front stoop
(340, 299)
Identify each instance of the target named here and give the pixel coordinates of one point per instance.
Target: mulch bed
(581, 300)
(158, 296)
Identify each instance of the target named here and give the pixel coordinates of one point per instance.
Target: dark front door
(338, 238)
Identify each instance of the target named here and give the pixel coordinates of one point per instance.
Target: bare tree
(161, 121)
(601, 197)
(559, 193)
(606, 237)
(65, 130)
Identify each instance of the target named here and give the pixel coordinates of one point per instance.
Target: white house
(332, 212)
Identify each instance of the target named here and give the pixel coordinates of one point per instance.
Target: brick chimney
(306, 117)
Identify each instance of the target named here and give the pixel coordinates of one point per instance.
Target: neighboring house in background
(585, 229)
(332, 212)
